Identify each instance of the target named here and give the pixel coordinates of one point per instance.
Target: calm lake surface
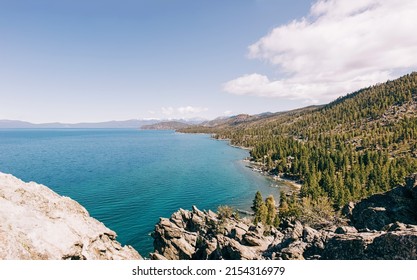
(129, 178)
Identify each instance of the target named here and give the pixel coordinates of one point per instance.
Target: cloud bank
(340, 47)
(186, 110)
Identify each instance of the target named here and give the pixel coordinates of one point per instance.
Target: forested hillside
(358, 145)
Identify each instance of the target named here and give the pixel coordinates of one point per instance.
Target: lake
(127, 179)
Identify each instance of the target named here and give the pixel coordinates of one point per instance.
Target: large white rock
(37, 223)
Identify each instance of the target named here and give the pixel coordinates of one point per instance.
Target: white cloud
(186, 110)
(341, 46)
(168, 111)
(191, 110)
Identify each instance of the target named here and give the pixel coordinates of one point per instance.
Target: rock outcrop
(398, 242)
(396, 205)
(203, 235)
(37, 223)
(383, 226)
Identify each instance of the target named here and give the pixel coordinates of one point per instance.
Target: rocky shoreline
(256, 167)
(295, 185)
(383, 226)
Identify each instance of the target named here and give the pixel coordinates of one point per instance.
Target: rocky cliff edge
(37, 223)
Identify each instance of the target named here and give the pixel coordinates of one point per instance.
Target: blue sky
(98, 60)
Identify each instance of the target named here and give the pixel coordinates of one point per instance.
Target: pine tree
(271, 207)
(260, 209)
(276, 221)
(257, 202)
(261, 214)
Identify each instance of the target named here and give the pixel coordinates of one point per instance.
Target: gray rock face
(376, 245)
(380, 210)
(37, 223)
(383, 226)
(398, 245)
(396, 205)
(200, 234)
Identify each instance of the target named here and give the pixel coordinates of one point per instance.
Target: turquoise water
(129, 178)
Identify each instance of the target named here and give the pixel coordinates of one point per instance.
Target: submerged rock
(37, 223)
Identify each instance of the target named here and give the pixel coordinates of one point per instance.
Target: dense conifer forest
(358, 145)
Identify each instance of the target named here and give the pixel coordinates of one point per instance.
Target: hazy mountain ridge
(109, 124)
(127, 124)
(167, 125)
(246, 120)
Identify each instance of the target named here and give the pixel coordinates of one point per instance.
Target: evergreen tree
(276, 221)
(261, 209)
(263, 213)
(271, 210)
(257, 202)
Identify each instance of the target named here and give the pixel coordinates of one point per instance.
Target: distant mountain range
(157, 124)
(109, 124)
(133, 124)
(220, 122)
